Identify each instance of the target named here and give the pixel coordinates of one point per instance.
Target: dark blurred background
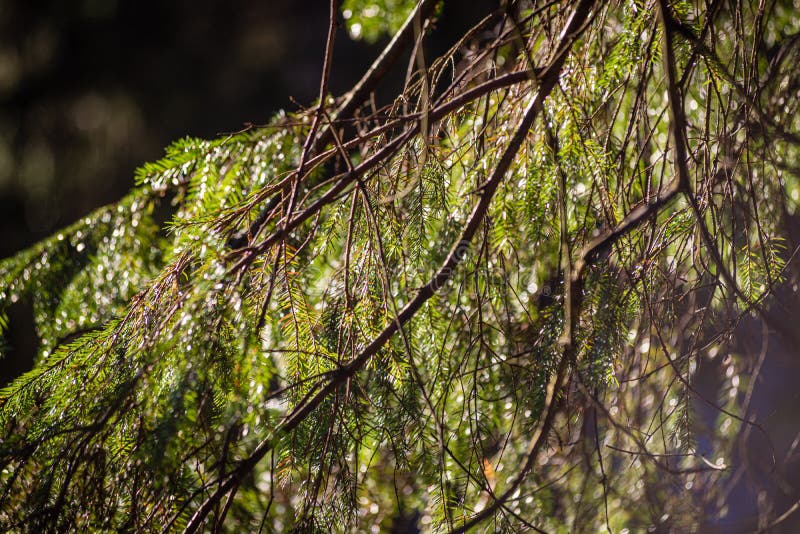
(90, 89)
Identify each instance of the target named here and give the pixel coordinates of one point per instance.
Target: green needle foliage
(480, 306)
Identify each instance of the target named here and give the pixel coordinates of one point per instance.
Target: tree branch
(445, 272)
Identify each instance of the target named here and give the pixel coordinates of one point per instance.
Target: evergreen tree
(479, 306)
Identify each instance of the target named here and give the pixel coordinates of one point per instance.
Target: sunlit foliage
(480, 305)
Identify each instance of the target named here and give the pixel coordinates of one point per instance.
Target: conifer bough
(478, 307)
